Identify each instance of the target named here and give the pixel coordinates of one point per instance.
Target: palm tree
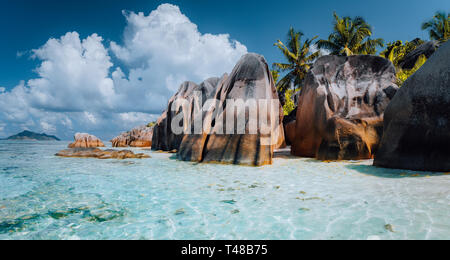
(350, 36)
(438, 27)
(299, 59)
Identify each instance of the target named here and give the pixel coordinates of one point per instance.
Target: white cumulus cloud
(79, 88)
(165, 48)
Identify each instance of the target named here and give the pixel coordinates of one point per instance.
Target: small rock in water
(389, 228)
(236, 211)
(100, 154)
(229, 201)
(308, 199)
(180, 212)
(304, 209)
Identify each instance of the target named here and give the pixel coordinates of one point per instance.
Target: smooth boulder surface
(192, 145)
(250, 80)
(83, 140)
(100, 154)
(341, 107)
(164, 139)
(289, 123)
(289, 132)
(137, 137)
(417, 121)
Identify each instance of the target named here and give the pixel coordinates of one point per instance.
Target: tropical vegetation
(438, 27)
(396, 52)
(403, 75)
(350, 36)
(299, 59)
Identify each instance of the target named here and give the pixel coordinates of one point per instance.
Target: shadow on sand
(392, 173)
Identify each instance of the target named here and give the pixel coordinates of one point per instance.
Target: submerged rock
(341, 107)
(100, 154)
(137, 137)
(83, 140)
(250, 80)
(417, 121)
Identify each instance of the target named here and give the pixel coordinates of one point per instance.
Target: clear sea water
(46, 197)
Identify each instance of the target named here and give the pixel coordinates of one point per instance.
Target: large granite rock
(417, 121)
(341, 107)
(427, 49)
(83, 140)
(137, 137)
(100, 154)
(289, 126)
(289, 132)
(164, 139)
(192, 145)
(250, 80)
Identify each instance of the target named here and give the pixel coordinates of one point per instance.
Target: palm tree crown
(299, 59)
(438, 27)
(350, 36)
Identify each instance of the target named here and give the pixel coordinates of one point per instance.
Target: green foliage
(396, 51)
(403, 75)
(152, 124)
(299, 59)
(438, 27)
(289, 106)
(350, 36)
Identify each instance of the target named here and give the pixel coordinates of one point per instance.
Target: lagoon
(47, 197)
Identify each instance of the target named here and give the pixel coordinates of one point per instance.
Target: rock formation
(86, 141)
(163, 137)
(289, 126)
(289, 132)
(137, 137)
(341, 107)
(417, 121)
(250, 81)
(100, 154)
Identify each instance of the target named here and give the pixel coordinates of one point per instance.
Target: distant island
(27, 135)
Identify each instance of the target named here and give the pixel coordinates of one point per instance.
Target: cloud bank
(79, 88)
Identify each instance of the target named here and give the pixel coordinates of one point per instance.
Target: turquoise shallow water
(46, 197)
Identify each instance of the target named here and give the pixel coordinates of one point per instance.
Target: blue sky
(27, 24)
(43, 104)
